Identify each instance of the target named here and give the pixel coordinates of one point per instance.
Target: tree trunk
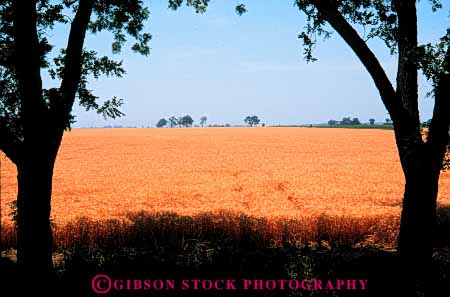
(34, 234)
(415, 243)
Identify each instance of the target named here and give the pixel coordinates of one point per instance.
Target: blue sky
(226, 67)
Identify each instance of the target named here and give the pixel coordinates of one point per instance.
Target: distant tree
(332, 122)
(173, 121)
(161, 123)
(188, 121)
(372, 122)
(346, 121)
(185, 121)
(355, 121)
(203, 120)
(248, 120)
(252, 120)
(180, 122)
(263, 124)
(388, 121)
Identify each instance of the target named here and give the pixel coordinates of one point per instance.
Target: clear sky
(227, 66)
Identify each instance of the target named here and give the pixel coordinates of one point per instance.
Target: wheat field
(275, 173)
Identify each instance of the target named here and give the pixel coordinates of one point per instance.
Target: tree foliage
(162, 123)
(123, 18)
(200, 6)
(173, 121)
(332, 122)
(346, 121)
(356, 121)
(203, 120)
(252, 120)
(185, 121)
(377, 18)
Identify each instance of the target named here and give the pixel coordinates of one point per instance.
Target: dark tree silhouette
(185, 121)
(203, 120)
(32, 118)
(252, 120)
(395, 23)
(355, 121)
(346, 121)
(372, 122)
(173, 121)
(332, 123)
(162, 123)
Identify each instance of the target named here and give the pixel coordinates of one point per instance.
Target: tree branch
(442, 105)
(438, 135)
(388, 94)
(73, 59)
(407, 82)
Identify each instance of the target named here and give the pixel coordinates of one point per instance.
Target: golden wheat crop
(290, 173)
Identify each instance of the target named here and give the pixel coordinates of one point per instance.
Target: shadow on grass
(169, 246)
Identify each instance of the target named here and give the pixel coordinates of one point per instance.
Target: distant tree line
(348, 121)
(187, 121)
(184, 121)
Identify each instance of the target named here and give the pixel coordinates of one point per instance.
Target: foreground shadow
(172, 247)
